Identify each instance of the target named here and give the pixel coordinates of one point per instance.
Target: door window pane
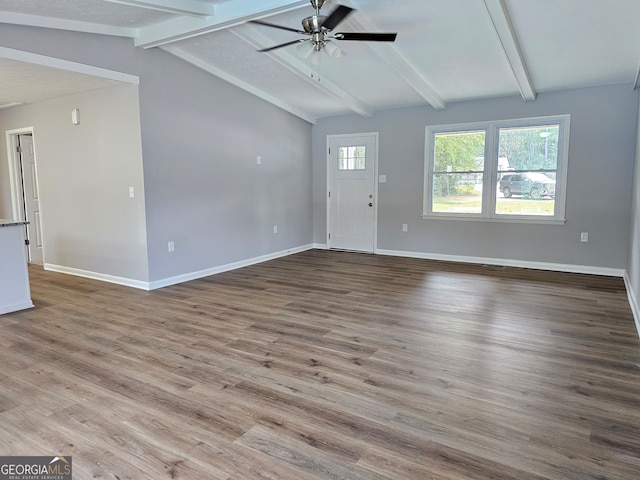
(352, 158)
(458, 167)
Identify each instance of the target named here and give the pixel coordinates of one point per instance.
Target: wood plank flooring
(328, 365)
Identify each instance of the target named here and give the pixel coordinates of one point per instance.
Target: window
(502, 171)
(352, 158)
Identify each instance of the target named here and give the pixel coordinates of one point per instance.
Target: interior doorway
(25, 196)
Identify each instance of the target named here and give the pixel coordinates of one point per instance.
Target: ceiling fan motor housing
(314, 23)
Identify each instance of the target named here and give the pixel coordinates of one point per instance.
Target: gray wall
(601, 152)
(205, 190)
(200, 139)
(89, 223)
(633, 262)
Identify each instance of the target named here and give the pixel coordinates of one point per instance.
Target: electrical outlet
(275, 229)
(171, 246)
(132, 192)
(259, 160)
(405, 227)
(584, 236)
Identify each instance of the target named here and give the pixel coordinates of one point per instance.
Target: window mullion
(490, 169)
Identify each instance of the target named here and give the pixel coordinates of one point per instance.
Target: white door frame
(375, 183)
(15, 176)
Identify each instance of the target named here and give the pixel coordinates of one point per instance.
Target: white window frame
(490, 180)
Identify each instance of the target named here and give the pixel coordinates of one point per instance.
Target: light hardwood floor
(328, 365)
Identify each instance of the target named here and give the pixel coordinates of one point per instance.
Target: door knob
(371, 204)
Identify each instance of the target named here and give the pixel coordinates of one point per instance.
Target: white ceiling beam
(181, 7)
(4, 106)
(400, 64)
(67, 65)
(207, 67)
(303, 70)
(63, 24)
(227, 15)
(506, 34)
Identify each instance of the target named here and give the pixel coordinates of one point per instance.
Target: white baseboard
(165, 282)
(128, 282)
(554, 267)
(633, 302)
(14, 307)
(185, 277)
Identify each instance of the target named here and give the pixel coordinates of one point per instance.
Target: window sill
(469, 218)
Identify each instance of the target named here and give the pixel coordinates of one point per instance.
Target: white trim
(52, 62)
(400, 64)
(633, 302)
(505, 31)
(15, 176)
(182, 7)
(507, 262)
(228, 15)
(26, 19)
(376, 136)
(185, 277)
(127, 282)
(15, 180)
(16, 306)
(10, 105)
(320, 246)
(540, 220)
(492, 132)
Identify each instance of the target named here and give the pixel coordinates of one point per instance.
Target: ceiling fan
(318, 28)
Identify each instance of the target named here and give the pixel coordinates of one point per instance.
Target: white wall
(89, 223)
(601, 151)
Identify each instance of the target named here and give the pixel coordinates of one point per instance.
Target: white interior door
(31, 198)
(352, 202)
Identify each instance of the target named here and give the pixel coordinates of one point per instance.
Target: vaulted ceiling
(446, 51)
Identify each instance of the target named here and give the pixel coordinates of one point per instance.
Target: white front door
(31, 198)
(352, 203)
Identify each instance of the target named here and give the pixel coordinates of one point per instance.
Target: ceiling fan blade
(367, 37)
(338, 15)
(281, 45)
(273, 25)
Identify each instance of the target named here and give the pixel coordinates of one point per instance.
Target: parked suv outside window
(532, 184)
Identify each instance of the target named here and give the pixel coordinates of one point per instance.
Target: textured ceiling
(22, 82)
(446, 51)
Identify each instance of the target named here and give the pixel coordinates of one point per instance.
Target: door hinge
(329, 150)
(329, 194)
(19, 149)
(26, 242)
(329, 236)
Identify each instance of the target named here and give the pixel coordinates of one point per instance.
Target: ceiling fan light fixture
(317, 57)
(333, 50)
(305, 48)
